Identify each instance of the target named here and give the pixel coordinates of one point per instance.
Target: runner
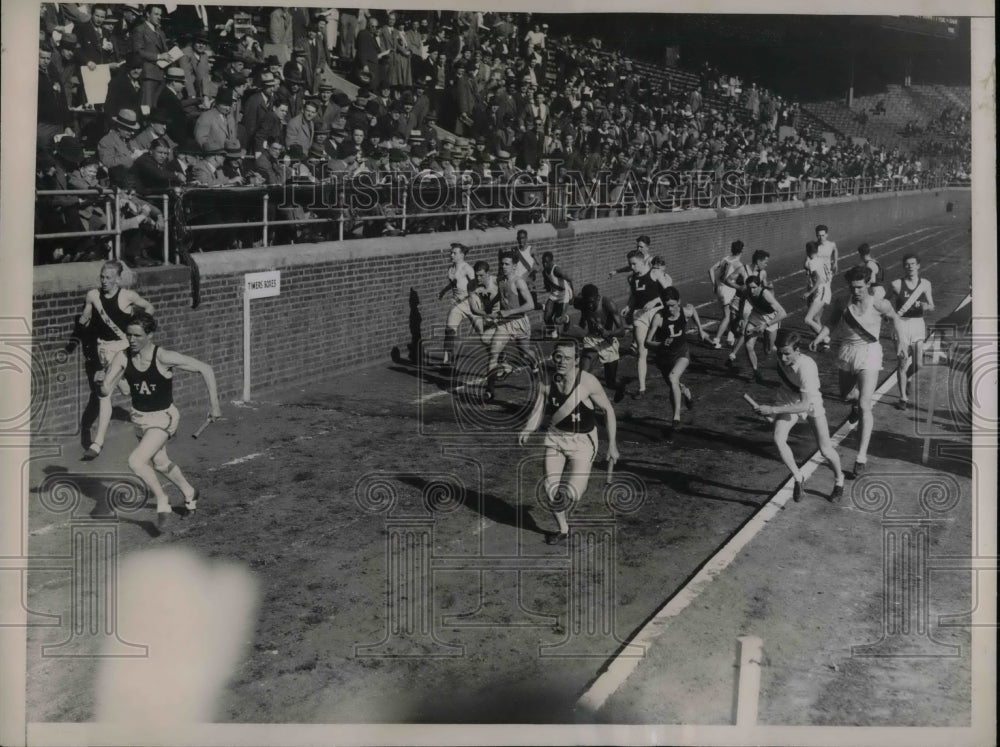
(875, 272)
(511, 324)
(727, 276)
(818, 288)
(525, 266)
(149, 370)
(912, 296)
(484, 296)
(568, 401)
(643, 301)
(559, 287)
(667, 338)
(757, 268)
(603, 329)
(460, 274)
(860, 356)
(827, 250)
(113, 305)
(764, 318)
(642, 243)
(799, 399)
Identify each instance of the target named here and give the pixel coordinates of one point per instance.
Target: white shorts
(823, 292)
(914, 330)
(108, 349)
(786, 397)
(768, 321)
(643, 318)
(575, 446)
(508, 330)
(725, 294)
(164, 420)
(860, 356)
(607, 350)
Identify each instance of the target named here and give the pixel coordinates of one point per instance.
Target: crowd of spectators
(230, 97)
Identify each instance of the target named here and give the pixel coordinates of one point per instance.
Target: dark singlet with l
(115, 314)
(760, 304)
(672, 334)
(914, 312)
(580, 419)
(644, 289)
(151, 390)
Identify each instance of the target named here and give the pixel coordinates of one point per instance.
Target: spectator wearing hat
(125, 88)
(415, 44)
(272, 126)
(216, 126)
(96, 46)
(299, 62)
(153, 170)
(232, 166)
(329, 110)
(174, 106)
(115, 148)
(465, 102)
(66, 70)
(421, 100)
(302, 126)
(270, 165)
(357, 115)
(347, 32)
(140, 222)
(369, 52)
(279, 34)
(148, 41)
(257, 104)
(54, 117)
(196, 63)
(113, 33)
(321, 137)
(156, 128)
(292, 89)
(207, 170)
(317, 57)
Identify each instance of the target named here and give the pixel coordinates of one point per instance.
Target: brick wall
(346, 305)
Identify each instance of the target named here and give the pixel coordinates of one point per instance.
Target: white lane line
(620, 668)
(242, 459)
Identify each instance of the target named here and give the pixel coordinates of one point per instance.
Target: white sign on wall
(255, 285)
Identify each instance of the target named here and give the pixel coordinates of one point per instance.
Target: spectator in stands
(292, 90)
(124, 90)
(280, 34)
(369, 52)
(96, 46)
(272, 125)
(154, 130)
(152, 170)
(149, 42)
(54, 117)
(215, 127)
(196, 63)
(115, 148)
(141, 222)
(173, 104)
(300, 128)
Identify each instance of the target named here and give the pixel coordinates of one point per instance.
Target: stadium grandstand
(208, 128)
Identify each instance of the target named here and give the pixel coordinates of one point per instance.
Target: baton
(749, 399)
(611, 470)
(208, 421)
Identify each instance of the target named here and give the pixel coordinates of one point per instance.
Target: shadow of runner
(687, 484)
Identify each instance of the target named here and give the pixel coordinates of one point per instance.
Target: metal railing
(338, 210)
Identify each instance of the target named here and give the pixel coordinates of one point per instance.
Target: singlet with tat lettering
(151, 390)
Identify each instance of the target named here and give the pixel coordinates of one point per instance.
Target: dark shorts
(666, 359)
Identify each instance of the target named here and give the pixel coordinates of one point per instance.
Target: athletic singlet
(645, 290)
(490, 292)
(819, 271)
(875, 272)
(672, 334)
(760, 304)
(502, 298)
(151, 390)
(801, 378)
(914, 312)
(580, 419)
(759, 274)
(825, 252)
(555, 285)
(458, 276)
(863, 328)
(114, 312)
(728, 268)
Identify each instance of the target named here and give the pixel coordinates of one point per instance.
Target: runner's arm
(834, 259)
(886, 310)
(443, 291)
(601, 402)
(172, 359)
(776, 305)
(535, 419)
(928, 305)
(527, 304)
(136, 300)
(691, 313)
(651, 343)
(88, 307)
(618, 324)
(832, 321)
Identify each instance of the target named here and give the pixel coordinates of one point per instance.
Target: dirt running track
(292, 485)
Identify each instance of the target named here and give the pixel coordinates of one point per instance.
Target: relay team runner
(559, 287)
(912, 296)
(568, 401)
(108, 308)
(799, 399)
(860, 357)
(876, 276)
(149, 371)
(603, 328)
(764, 319)
(727, 276)
(643, 302)
(818, 287)
(668, 339)
(510, 324)
(460, 275)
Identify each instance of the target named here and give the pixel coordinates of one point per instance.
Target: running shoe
(687, 398)
(859, 469)
(758, 377)
(163, 521)
(556, 538)
(639, 394)
(797, 492)
(93, 451)
(191, 504)
(902, 404)
(716, 344)
(855, 415)
(731, 364)
(837, 494)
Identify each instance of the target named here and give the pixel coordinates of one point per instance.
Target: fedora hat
(159, 116)
(70, 151)
(126, 118)
(175, 73)
(233, 149)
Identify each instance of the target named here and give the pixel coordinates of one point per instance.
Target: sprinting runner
(109, 308)
(764, 318)
(668, 340)
(860, 356)
(559, 287)
(603, 328)
(643, 301)
(800, 399)
(726, 276)
(484, 296)
(525, 266)
(149, 370)
(460, 274)
(568, 401)
(510, 325)
(818, 288)
(875, 272)
(912, 296)
(826, 249)
(757, 268)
